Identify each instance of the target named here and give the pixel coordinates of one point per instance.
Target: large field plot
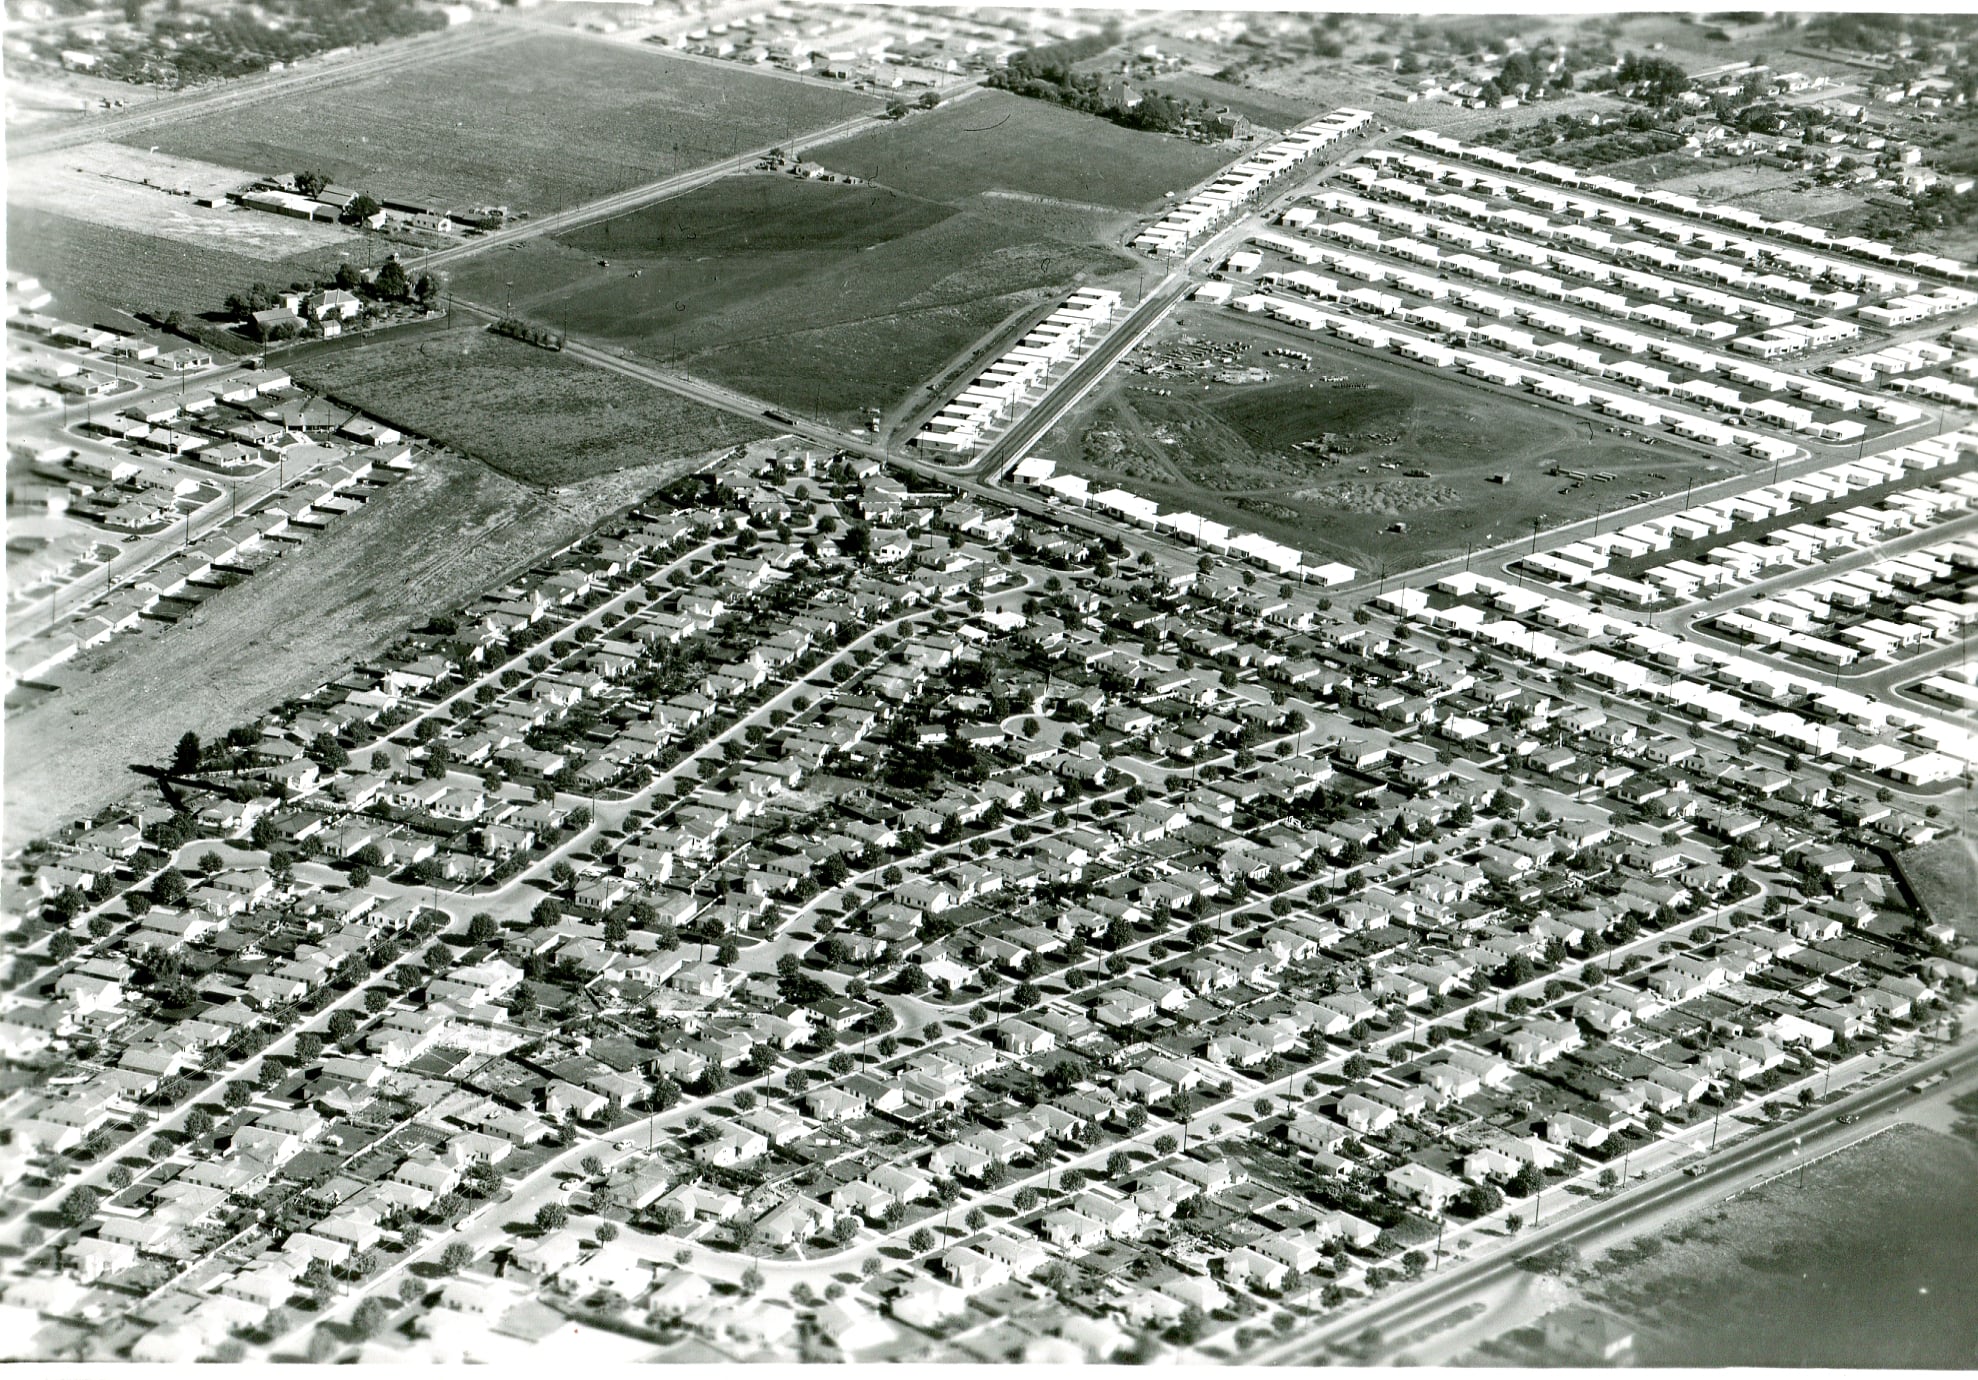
(1320, 458)
(996, 141)
(535, 124)
(96, 270)
(539, 417)
(823, 297)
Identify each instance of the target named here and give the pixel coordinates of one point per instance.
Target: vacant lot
(1264, 108)
(535, 124)
(818, 296)
(538, 417)
(1944, 876)
(128, 189)
(1321, 457)
(447, 531)
(999, 141)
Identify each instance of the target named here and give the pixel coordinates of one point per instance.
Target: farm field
(505, 126)
(533, 415)
(998, 141)
(448, 530)
(823, 297)
(1321, 457)
(96, 270)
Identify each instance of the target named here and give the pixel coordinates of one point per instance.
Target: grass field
(93, 270)
(542, 122)
(539, 417)
(820, 296)
(999, 141)
(1319, 458)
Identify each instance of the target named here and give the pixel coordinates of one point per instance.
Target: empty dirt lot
(441, 535)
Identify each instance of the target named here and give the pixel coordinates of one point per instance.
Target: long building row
(995, 394)
(1237, 184)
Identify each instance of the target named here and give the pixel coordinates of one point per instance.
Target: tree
(592, 1166)
(198, 1123)
(308, 1046)
(1480, 1200)
(323, 1346)
(1527, 1181)
(1027, 1198)
(362, 207)
(844, 1230)
(751, 1281)
(79, 1206)
(311, 183)
(483, 929)
(1119, 1164)
(169, 889)
(62, 946)
(426, 293)
(921, 1242)
(1166, 1144)
(606, 1233)
(976, 1219)
(456, 1257)
(185, 757)
(236, 1096)
(370, 1317)
(343, 1025)
(390, 282)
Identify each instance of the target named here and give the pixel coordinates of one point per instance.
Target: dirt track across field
(346, 594)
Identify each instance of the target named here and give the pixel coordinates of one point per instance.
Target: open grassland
(822, 297)
(999, 141)
(450, 529)
(539, 417)
(1944, 876)
(1320, 457)
(543, 122)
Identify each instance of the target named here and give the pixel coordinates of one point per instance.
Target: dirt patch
(1338, 451)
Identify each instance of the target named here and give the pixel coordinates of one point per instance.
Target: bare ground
(444, 533)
